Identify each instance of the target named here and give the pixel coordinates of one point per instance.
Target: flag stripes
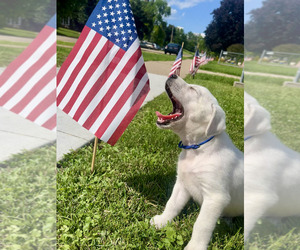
(27, 86)
(100, 85)
(177, 64)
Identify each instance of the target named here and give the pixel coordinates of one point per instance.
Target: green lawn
(283, 104)
(28, 200)
(17, 32)
(111, 208)
(7, 55)
(67, 32)
(254, 66)
(215, 67)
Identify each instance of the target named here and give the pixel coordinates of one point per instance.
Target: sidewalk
(18, 134)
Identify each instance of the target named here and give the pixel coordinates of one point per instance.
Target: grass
(215, 67)
(282, 103)
(7, 55)
(14, 43)
(111, 208)
(18, 32)
(28, 199)
(67, 32)
(254, 66)
(64, 43)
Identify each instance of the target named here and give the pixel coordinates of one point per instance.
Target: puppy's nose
(173, 76)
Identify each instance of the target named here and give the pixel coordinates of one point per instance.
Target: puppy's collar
(195, 146)
(246, 138)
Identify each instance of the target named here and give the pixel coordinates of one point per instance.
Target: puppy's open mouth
(175, 115)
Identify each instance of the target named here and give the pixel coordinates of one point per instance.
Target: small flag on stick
(195, 63)
(175, 70)
(103, 82)
(27, 86)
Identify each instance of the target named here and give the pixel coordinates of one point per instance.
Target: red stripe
(98, 60)
(77, 69)
(41, 37)
(73, 53)
(35, 90)
(43, 105)
(128, 118)
(51, 123)
(28, 74)
(111, 91)
(120, 103)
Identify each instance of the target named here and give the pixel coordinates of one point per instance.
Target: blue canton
(114, 20)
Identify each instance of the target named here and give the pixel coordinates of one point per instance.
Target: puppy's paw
(192, 245)
(158, 221)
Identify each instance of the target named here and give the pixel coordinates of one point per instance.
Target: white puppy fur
(272, 170)
(212, 174)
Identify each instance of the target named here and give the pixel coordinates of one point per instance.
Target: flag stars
(110, 7)
(100, 22)
(116, 33)
(106, 21)
(113, 20)
(104, 8)
(108, 28)
(121, 25)
(124, 4)
(115, 27)
(101, 29)
(117, 40)
(125, 45)
(93, 24)
(120, 19)
(127, 18)
(128, 24)
(105, 14)
(125, 11)
(109, 34)
(129, 31)
(124, 38)
(112, 13)
(119, 12)
(117, 5)
(130, 38)
(98, 16)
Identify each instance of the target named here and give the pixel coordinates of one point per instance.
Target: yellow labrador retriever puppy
(272, 170)
(210, 167)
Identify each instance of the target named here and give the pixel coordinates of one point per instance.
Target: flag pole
(94, 153)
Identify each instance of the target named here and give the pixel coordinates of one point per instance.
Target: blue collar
(246, 138)
(195, 146)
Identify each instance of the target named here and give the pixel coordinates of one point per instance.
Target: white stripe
(121, 89)
(38, 98)
(46, 115)
(92, 105)
(82, 72)
(31, 82)
(76, 60)
(39, 52)
(125, 109)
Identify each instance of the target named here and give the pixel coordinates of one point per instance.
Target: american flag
(103, 82)
(177, 64)
(195, 63)
(27, 86)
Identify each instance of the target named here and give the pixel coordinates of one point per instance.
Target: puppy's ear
(217, 122)
(256, 120)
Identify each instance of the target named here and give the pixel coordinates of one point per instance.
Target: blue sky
(195, 15)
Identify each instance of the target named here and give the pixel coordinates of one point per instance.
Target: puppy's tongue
(162, 118)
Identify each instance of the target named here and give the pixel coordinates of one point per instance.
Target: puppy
(212, 174)
(272, 170)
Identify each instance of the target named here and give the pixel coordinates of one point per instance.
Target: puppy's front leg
(211, 210)
(175, 204)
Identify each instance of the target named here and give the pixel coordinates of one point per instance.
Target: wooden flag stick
(94, 153)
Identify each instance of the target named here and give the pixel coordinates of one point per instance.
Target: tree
(227, 26)
(275, 23)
